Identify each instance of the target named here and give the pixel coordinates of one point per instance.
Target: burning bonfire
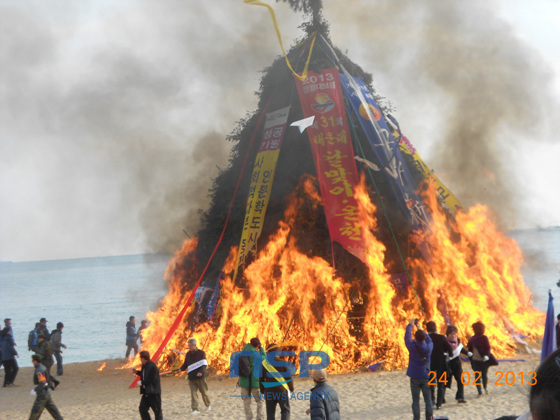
(353, 238)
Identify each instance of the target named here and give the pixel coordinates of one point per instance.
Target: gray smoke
(115, 119)
(471, 77)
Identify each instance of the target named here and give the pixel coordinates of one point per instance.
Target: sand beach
(86, 393)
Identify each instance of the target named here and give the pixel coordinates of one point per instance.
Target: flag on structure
(261, 182)
(321, 96)
(549, 337)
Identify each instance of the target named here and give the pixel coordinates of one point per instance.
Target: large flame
(472, 273)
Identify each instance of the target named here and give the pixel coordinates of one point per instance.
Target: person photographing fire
(195, 365)
(419, 355)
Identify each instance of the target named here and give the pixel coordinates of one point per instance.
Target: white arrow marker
(303, 124)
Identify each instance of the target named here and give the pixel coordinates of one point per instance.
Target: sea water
(94, 297)
(541, 267)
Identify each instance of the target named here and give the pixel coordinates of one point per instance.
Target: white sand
(88, 394)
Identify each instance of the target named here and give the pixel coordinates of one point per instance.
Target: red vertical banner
(321, 96)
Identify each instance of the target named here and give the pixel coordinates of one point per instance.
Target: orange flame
(102, 367)
(473, 273)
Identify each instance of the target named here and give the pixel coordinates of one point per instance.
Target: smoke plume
(472, 77)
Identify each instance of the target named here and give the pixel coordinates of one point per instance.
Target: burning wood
(474, 269)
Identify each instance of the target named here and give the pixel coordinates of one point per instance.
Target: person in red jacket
(481, 357)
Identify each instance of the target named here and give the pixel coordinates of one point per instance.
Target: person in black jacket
(8, 357)
(323, 402)
(438, 363)
(46, 351)
(195, 364)
(43, 328)
(150, 388)
(43, 399)
(56, 337)
(279, 394)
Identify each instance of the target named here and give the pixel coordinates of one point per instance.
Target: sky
(114, 114)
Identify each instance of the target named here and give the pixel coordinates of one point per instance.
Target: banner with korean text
(261, 182)
(385, 149)
(321, 96)
(445, 195)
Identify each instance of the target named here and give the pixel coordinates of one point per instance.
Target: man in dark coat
(150, 388)
(195, 364)
(440, 354)
(419, 356)
(43, 328)
(56, 342)
(8, 357)
(46, 351)
(43, 399)
(323, 401)
(279, 394)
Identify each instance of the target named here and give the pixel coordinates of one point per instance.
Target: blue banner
(549, 337)
(386, 150)
(214, 299)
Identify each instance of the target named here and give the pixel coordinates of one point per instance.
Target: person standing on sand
(279, 394)
(323, 403)
(46, 352)
(131, 337)
(481, 357)
(195, 365)
(250, 384)
(56, 343)
(438, 363)
(419, 354)
(455, 361)
(43, 399)
(150, 388)
(9, 354)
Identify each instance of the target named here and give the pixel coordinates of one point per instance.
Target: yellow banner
(445, 195)
(261, 182)
(273, 16)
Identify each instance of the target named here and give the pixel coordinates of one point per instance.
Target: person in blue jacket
(9, 354)
(419, 354)
(323, 401)
(131, 337)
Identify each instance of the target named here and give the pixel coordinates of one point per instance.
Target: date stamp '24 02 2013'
(503, 378)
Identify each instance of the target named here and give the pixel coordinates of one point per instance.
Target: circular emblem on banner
(323, 102)
(374, 111)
